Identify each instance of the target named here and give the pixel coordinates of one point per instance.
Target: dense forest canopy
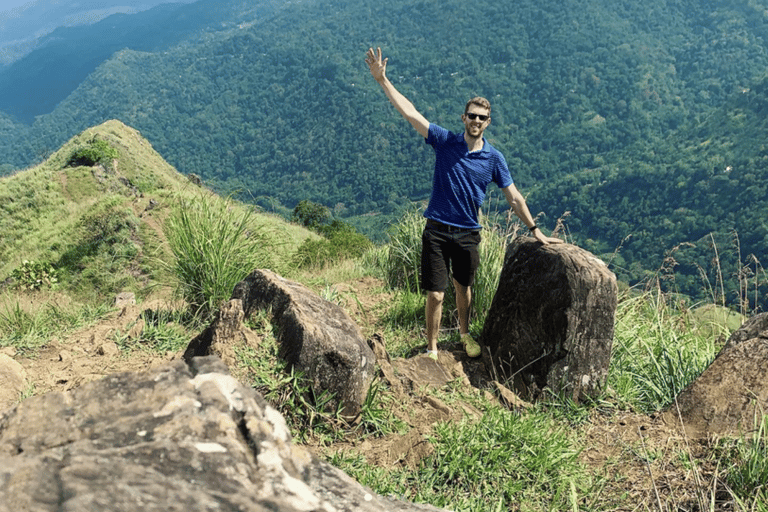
(641, 121)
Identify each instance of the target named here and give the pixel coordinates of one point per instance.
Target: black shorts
(443, 248)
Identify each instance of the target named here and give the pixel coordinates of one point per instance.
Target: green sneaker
(432, 354)
(470, 345)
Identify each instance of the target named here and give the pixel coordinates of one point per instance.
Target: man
(465, 165)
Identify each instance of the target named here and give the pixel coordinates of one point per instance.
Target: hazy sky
(7, 5)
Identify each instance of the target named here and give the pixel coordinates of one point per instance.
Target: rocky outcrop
(754, 327)
(13, 381)
(225, 335)
(551, 321)
(732, 392)
(179, 437)
(315, 336)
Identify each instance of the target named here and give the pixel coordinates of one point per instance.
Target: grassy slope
(44, 209)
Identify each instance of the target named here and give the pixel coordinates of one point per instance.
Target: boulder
(13, 381)
(728, 397)
(754, 327)
(315, 336)
(551, 320)
(224, 335)
(175, 438)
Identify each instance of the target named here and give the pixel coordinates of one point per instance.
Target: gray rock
(226, 334)
(726, 398)
(315, 336)
(175, 438)
(13, 381)
(754, 327)
(551, 320)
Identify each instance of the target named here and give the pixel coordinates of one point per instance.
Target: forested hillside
(643, 119)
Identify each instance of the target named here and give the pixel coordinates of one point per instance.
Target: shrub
(310, 215)
(341, 241)
(32, 275)
(93, 152)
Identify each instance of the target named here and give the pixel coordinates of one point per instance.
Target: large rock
(754, 327)
(175, 438)
(13, 381)
(315, 336)
(732, 392)
(551, 321)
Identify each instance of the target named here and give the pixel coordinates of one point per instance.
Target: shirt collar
(484, 151)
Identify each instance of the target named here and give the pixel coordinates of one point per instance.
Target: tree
(311, 215)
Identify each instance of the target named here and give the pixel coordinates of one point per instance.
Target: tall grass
(748, 461)
(216, 244)
(657, 351)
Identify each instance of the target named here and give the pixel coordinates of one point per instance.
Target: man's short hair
(480, 102)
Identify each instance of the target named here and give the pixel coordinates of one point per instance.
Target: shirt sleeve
(437, 135)
(502, 176)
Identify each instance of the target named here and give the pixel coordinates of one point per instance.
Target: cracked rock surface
(177, 437)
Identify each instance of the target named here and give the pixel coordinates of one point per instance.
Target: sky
(7, 5)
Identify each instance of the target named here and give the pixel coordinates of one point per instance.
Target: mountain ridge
(278, 107)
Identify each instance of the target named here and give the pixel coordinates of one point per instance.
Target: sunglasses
(474, 116)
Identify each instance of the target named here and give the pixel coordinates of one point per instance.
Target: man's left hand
(541, 237)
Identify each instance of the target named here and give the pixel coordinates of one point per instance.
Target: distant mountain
(603, 109)
(22, 27)
(34, 84)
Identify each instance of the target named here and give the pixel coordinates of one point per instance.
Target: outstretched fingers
(375, 62)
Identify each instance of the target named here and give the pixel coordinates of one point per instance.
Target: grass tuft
(216, 244)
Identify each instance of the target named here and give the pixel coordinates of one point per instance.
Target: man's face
(476, 120)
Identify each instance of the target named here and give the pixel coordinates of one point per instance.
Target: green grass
(499, 462)
(216, 244)
(656, 352)
(28, 329)
(747, 460)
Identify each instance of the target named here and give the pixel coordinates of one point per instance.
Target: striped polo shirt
(461, 178)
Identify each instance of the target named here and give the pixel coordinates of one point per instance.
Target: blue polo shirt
(461, 178)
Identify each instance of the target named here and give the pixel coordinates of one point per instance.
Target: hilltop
(101, 228)
(66, 212)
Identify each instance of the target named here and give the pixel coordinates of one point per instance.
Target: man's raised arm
(378, 69)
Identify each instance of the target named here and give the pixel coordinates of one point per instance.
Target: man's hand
(541, 237)
(377, 66)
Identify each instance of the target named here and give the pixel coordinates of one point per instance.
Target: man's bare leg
(463, 300)
(434, 312)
